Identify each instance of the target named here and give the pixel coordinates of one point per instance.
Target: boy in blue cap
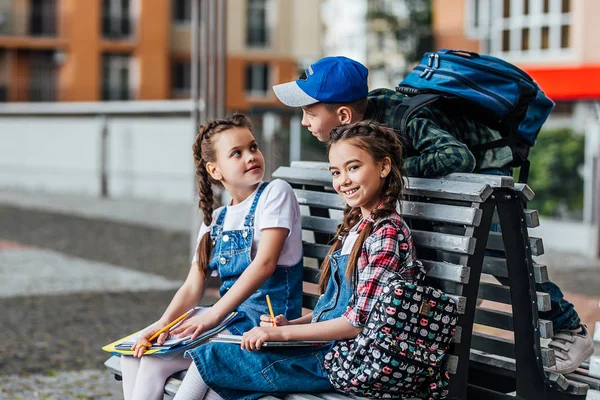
(334, 91)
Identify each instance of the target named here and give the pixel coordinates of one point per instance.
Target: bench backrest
(431, 208)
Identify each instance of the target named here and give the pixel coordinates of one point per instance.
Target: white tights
(144, 378)
(194, 388)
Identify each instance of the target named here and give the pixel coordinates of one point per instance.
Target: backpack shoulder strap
(405, 110)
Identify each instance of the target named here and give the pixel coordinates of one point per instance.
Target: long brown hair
(380, 142)
(204, 152)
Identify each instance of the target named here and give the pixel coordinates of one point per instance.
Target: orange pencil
(271, 310)
(169, 326)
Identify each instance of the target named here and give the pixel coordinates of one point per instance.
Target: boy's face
(319, 120)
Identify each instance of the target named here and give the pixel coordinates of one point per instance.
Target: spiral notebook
(123, 345)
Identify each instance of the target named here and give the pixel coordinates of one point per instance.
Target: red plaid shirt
(387, 251)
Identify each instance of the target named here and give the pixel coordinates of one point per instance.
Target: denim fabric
(562, 313)
(231, 256)
(240, 374)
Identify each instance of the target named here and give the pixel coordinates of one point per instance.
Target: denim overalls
(240, 374)
(231, 256)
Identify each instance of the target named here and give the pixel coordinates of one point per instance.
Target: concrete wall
(146, 157)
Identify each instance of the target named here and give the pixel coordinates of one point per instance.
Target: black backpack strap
(404, 111)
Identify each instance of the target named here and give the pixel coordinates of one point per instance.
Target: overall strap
(218, 226)
(249, 220)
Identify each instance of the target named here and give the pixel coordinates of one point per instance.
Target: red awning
(568, 83)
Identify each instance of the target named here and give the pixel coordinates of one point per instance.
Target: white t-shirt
(276, 208)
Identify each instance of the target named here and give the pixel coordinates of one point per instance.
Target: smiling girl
(373, 239)
(226, 153)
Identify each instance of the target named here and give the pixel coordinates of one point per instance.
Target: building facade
(555, 41)
(93, 50)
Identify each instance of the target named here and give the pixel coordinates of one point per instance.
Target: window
(181, 79)
(524, 29)
(115, 77)
(42, 21)
(182, 11)
(257, 30)
(116, 20)
(42, 86)
(257, 79)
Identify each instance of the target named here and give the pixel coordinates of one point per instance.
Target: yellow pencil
(169, 326)
(271, 310)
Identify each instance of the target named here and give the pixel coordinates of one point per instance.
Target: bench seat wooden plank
(495, 242)
(410, 209)
(444, 242)
(493, 344)
(495, 181)
(434, 188)
(430, 240)
(447, 271)
(583, 376)
(435, 269)
(501, 294)
(524, 191)
(503, 320)
(497, 266)
(532, 218)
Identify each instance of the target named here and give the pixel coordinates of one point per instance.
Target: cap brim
(291, 95)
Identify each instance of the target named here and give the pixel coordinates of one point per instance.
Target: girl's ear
(213, 171)
(386, 167)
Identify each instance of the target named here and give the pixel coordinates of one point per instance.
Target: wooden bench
(450, 219)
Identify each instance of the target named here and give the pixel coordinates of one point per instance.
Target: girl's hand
(267, 321)
(254, 339)
(196, 325)
(143, 341)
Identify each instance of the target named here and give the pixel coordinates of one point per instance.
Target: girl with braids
(365, 160)
(226, 153)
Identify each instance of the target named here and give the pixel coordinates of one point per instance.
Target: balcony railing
(116, 27)
(38, 22)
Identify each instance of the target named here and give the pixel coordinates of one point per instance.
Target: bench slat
(309, 300)
(532, 218)
(435, 269)
(319, 224)
(503, 320)
(493, 344)
(497, 266)
(501, 294)
(444, 242)
(447, 271)
(495, 242)
(410, 209)
(434, 188)
(524, 191)
(506, 363)
(431, 240)
(441, 213)
(314, 250)
(495, 181)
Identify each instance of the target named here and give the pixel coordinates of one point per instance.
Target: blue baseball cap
(329, 80)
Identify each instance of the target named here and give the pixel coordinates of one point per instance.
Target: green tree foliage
(413, 33)
(555, 176)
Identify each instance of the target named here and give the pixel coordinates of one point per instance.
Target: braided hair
(204, 152)
(380, 142)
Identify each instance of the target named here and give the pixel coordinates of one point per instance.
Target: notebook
(123, 345)
(236, 339)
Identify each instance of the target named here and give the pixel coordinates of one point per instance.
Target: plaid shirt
(386, 252)
(437, 144)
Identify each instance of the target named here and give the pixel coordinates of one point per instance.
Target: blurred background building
(93, 50)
